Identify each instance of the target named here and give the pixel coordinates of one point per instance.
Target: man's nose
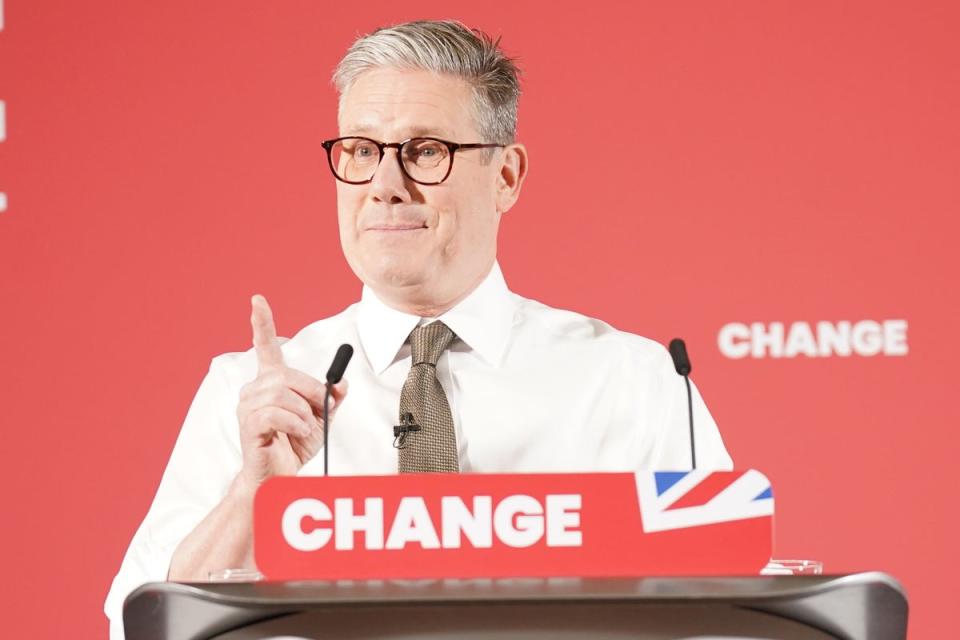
(389, 184)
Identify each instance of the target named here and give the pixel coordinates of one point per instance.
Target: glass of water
(792, 568)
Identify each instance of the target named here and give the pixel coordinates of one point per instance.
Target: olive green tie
(432, 448)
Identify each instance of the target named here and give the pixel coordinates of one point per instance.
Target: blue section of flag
(666, 479)
(767, 493)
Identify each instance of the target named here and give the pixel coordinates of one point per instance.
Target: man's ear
(513, 170)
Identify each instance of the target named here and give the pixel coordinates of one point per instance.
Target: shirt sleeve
(205, 459)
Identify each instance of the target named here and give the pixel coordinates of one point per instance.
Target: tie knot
(429, 341)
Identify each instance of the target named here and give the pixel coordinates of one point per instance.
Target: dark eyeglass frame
(453, 147)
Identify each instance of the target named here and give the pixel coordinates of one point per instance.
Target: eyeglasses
(354, 160)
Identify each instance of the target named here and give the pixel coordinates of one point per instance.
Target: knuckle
(271, 378)
(304, 410)
(275, 395)
(265, 419)
(249, 423)
(248, 389)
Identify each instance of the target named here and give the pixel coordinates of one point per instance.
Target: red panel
(608, 524)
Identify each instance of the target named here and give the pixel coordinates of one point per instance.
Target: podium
(372, 557)
(864, 606)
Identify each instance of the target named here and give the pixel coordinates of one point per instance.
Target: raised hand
(280, 411)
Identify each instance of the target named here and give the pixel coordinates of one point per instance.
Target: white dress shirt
(531, 389)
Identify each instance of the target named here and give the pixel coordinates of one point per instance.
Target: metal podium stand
(864, 606)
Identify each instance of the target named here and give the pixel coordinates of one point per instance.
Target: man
(426, 164)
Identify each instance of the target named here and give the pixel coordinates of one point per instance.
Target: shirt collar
(482, 321)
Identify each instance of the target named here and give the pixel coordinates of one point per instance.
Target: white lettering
(518, 521)
(895, 338)
(764, 338)
(3, 123)
(412, 524)
(348, 523)
(867, 338)
(292, 524)
(843, 338)
(734, 340)
(476, 526)
(800, 341)
(834, 338)
(563, 514)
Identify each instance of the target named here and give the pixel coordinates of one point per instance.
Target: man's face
(419, 247)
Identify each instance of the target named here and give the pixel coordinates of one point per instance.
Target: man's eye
(364, 150)
(425, 151)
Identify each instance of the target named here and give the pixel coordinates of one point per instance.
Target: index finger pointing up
(265, 341)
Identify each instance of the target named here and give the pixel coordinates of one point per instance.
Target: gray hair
(445, 47)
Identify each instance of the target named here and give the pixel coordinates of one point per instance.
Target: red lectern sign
(514, 525)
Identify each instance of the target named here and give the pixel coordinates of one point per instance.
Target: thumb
(337, 393)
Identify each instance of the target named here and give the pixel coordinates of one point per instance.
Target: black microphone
(339, 364)
(334, 375)
(681, 362)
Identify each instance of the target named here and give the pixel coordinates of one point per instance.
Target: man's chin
(397, 274)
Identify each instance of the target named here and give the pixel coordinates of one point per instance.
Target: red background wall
(782, 162)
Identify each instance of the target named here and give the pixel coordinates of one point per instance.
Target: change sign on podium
(514, 525)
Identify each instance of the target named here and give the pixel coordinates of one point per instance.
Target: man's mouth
(397, 227)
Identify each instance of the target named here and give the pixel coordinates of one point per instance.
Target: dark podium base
(868, 606)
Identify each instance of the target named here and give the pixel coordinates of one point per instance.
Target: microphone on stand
(681, 362)
(334, 375)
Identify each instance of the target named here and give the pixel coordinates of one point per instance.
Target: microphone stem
(693, 449)
(326, 428)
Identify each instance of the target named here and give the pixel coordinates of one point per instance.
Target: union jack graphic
(681, 499)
